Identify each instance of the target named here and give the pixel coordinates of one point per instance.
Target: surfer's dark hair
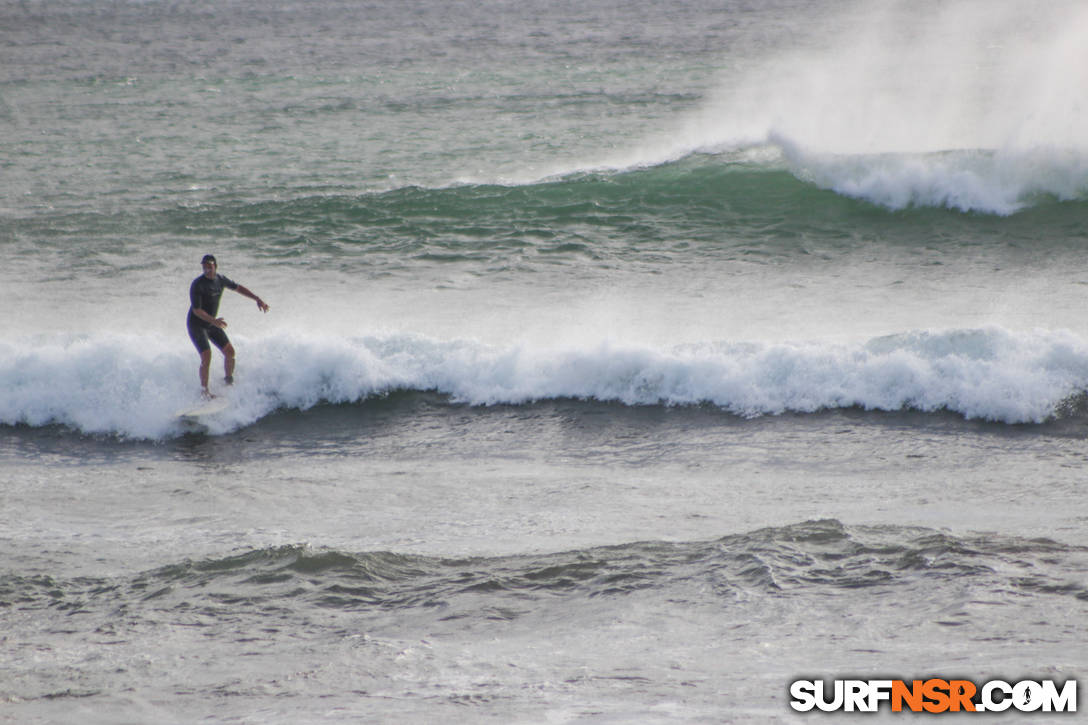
(209, 258)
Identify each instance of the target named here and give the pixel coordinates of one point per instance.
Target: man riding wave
(204, 325)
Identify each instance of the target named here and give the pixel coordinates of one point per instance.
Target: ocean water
(626, 361)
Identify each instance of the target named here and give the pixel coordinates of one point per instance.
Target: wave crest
(823, 556)
(131, 388)
(990, 182)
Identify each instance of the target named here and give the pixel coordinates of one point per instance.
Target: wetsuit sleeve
(228, 282)
(194, 296)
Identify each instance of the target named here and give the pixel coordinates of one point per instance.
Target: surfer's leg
(205, 366)
(223, 343)
(199, 336)
(228, 363)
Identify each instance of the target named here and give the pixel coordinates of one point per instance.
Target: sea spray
(973, 106)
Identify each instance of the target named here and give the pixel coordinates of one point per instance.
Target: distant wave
(775, 182)
(821, 557)
(970, 105)
(763, 197)
(984, 181)
(133, 387)
(971, 180)
(736, 201)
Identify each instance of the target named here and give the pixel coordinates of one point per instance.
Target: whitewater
(964, 106)
(130, 387)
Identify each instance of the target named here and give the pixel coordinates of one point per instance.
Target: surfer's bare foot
(207, 395)
(229, 380)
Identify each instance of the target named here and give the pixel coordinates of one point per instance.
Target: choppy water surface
(626, 361)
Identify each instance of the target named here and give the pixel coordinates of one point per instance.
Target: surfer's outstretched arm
(245, 292)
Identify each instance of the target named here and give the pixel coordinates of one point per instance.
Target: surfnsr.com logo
(934, 695)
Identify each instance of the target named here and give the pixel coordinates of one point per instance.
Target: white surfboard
(199, 414)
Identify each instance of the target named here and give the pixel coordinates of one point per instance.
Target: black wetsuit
(204, 295)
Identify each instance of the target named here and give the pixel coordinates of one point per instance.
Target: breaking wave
(133, 388)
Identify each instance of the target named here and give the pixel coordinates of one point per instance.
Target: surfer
(203, 324)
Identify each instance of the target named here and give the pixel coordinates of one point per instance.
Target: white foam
(133, 387)
(1000, 182)
(970, 105)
